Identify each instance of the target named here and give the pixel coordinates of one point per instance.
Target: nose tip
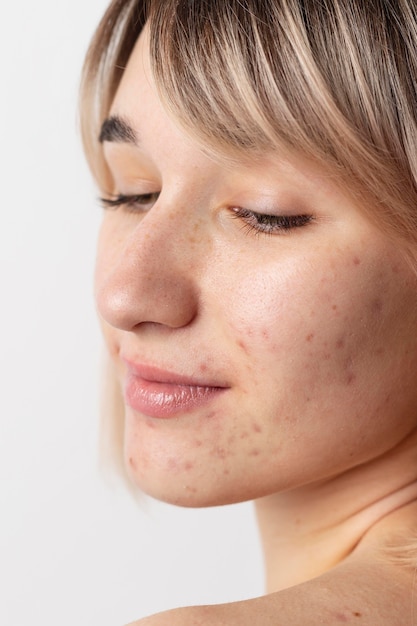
(148, 280)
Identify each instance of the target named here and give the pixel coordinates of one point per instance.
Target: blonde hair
(335, 80)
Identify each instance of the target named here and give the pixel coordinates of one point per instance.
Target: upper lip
(156, 374)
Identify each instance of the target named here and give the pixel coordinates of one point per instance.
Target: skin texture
(309, 330)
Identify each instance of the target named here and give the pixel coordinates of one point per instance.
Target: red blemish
(242, 345)
(377, 305)
(203, 367)
(226, 472)
(189, 466)
(326, 356)
(254, 452)
(340, 343)
(256, 428)
(341, 617)
(198, 443)
(356, 261)
(244, 435)
(351, 378)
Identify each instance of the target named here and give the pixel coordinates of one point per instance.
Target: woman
(256, 282)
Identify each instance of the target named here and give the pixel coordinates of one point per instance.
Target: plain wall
(74, 551)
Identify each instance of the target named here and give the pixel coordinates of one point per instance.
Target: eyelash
(258, 223)
(262, 223)
(131, 203)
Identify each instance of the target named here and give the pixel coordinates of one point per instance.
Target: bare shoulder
(361, 591)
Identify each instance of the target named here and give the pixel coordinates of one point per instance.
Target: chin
(195, 492)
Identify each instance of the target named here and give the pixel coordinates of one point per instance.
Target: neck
(307, 531)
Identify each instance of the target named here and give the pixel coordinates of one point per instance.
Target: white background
(74, 551)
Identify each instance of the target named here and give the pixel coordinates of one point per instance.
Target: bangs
(332, 80)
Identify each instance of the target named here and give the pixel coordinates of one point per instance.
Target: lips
(162, 394)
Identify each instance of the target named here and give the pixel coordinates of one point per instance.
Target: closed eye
(270, 224)
(139, 202)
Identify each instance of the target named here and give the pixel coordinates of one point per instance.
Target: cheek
(328, 353)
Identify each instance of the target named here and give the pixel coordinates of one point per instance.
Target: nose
(147, 274)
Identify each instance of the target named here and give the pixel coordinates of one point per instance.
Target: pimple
(351, 378)
(203, 367)
(242, 345)
(356, 260)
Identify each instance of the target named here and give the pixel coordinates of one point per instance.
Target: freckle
(310, 337)
(357, 614)
(210, 415)
(356, 260)
(256, 428)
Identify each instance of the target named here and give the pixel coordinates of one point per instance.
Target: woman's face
(264, 331)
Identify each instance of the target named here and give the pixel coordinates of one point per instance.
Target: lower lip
(165, 400)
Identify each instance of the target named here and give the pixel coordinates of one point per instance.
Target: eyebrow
(115, 128)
